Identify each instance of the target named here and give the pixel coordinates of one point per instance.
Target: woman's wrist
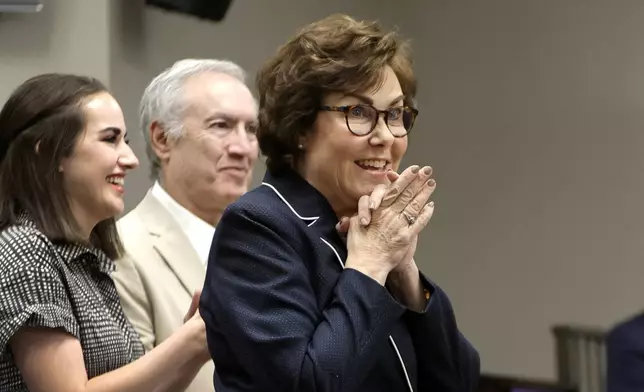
(407, 287)
(374, 270)
(404, 273)
(194, 339)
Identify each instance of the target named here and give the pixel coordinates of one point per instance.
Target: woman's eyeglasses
(362, 119)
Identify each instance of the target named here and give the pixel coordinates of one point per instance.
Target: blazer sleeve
(446, 360)
(134, 300)
(258, 297)
(625, 360)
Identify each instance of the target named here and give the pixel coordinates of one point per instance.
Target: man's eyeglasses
(362, 119)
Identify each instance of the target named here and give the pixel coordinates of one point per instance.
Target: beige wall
(530, 114)
(532, 117)
(67, 36)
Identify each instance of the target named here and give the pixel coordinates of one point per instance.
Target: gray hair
(162, 99)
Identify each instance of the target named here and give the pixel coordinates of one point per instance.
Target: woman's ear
(301, 142)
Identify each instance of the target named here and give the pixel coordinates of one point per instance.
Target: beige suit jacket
(157, 277)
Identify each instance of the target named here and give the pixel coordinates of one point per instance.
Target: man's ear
(159, 141)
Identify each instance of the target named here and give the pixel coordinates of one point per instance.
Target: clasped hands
(383, 235)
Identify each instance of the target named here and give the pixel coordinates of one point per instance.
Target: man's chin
(234, 195)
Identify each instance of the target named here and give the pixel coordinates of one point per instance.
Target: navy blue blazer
(625, 356)
(282, 314)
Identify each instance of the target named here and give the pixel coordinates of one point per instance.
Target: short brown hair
(39, 126)
(337, 53)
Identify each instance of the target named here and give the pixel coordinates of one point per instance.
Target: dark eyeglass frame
(347, 108)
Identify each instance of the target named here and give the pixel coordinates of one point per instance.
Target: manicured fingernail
(415, 169)
(363, 221)
(431, 204)
(427, 170)
(372, 205)
(431, 182)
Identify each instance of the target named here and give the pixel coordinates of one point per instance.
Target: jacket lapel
(172, 244)
(310, 206)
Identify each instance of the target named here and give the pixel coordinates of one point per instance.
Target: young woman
(63, 161)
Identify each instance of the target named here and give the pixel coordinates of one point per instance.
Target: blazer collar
(306, 202)
(171, 243)
(301, 197)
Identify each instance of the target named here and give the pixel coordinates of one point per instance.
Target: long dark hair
(39, 126)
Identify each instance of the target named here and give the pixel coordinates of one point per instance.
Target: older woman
(63, 160)
(289, 305)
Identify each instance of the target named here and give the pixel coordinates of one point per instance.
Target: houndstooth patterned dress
(65, 286)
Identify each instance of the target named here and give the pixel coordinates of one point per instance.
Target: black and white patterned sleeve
(32, 290)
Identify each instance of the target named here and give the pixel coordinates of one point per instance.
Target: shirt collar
(198, 231)
(72, 252)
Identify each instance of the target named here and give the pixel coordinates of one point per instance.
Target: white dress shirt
(198, 231)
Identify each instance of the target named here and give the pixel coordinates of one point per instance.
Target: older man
(198, 119)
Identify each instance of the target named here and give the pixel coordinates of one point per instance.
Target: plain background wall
(530, 115)
(532, 118)
(67, 36)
